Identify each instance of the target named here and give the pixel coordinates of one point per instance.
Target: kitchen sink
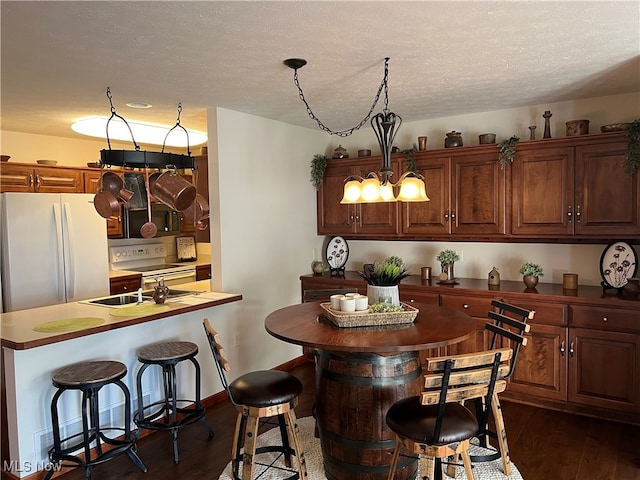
(130, 298)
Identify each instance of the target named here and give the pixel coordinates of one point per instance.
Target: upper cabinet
(568, 189)
(466, 197)
(373, 220)
(27, 178)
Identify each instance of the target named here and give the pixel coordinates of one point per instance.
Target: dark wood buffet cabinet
(583, 351)
(568, 190)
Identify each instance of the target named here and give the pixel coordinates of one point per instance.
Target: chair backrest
(509, 326)
(316, 295)
(459, 377)
(222, 364)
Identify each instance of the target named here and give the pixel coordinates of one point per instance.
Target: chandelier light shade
(375, 186)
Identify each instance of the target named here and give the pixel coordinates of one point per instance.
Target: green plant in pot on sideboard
(318, 167)
(507, 150)
(447, 258)
(530, 273)
(383, 279)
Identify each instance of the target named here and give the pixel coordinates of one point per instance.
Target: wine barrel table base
(354, 393)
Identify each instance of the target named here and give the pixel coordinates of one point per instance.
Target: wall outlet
(459, 252)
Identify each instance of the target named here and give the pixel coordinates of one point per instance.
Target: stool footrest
(188, 415)
(66, 454)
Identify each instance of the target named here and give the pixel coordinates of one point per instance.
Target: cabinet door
(541, 370)
(91, 181)
(542, 192)
(16, 178)
(58, 180)
(604, 369)
(333, 217)
(607, 200)
(432, 217)
(477, 195)
(125, 284)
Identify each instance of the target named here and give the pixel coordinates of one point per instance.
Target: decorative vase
(530, 280)
(317, 266)
(632, 288)
(454, 139)
(383, 294)
(447, 275)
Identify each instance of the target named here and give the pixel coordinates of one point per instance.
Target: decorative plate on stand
(618, 263)
(337, 254)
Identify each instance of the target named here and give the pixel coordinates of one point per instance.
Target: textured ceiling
(447, 58)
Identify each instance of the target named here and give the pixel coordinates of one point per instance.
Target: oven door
(174, 278)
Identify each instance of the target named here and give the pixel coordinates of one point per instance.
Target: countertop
(17, 328)
(586, 294)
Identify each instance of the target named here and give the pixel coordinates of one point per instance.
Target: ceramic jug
(160, 292)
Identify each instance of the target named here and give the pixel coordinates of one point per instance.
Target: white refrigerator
(54, 249)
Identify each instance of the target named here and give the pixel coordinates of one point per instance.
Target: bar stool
(167, 355)
(89, 378)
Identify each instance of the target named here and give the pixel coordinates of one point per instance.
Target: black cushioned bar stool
(75, 450)
(170, 413)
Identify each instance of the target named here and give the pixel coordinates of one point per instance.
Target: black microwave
(166, 220)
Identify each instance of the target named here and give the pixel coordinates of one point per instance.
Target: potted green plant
(447, 258)
(318, 167)
(383, 279)
(530, 273)
(507, 150)
(410, 156)
(632, 159)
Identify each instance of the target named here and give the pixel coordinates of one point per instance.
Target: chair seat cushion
(410, 419)
(265, 388)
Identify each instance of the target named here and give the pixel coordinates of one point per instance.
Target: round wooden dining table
(360, 373)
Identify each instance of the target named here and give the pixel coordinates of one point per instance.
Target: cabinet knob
(453, 215)
(562, 348)
(125, 288)
(446, 214)
(569, 213)
(571, 349)
(30, 180)
(465, 306)
(605, 319)
(578, 213)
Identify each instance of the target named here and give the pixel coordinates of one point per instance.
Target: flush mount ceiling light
(118, 128)
(375, 186)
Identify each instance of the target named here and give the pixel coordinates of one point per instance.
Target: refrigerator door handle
(70, 253)
(60, 252)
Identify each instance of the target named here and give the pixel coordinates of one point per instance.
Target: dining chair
(435, 424)
(259, 396)
(507, 329)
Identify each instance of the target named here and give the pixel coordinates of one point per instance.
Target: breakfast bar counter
(37, 342)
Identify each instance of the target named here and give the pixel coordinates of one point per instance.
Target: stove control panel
(131, 253)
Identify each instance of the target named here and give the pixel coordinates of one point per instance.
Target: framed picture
(618, 263)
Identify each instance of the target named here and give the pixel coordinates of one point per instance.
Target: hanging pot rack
(141, 158)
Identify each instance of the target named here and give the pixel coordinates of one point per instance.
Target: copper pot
(198, 210)
(115, 184)
(173, 190)
(106, 204)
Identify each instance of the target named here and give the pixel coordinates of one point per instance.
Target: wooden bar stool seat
(76, 450)
(260, 396)
(170, 413)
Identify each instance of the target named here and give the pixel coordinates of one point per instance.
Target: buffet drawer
(476, 307)
(619, 319)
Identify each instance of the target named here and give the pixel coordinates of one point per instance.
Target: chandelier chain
(349, 131)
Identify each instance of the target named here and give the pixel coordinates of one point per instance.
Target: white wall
(266, 224)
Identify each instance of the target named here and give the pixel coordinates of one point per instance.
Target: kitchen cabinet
(24, 177)
(467, 197)
(125, 283)
(373, 220)
(571, 188)
(91, 181)
(203, 272)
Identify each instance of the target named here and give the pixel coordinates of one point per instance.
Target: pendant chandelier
(375, 186)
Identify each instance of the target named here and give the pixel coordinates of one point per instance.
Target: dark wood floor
(545, 445)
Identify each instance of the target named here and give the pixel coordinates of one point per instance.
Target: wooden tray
(364, 318)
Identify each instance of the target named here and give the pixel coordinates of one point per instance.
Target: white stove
(148, 259)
